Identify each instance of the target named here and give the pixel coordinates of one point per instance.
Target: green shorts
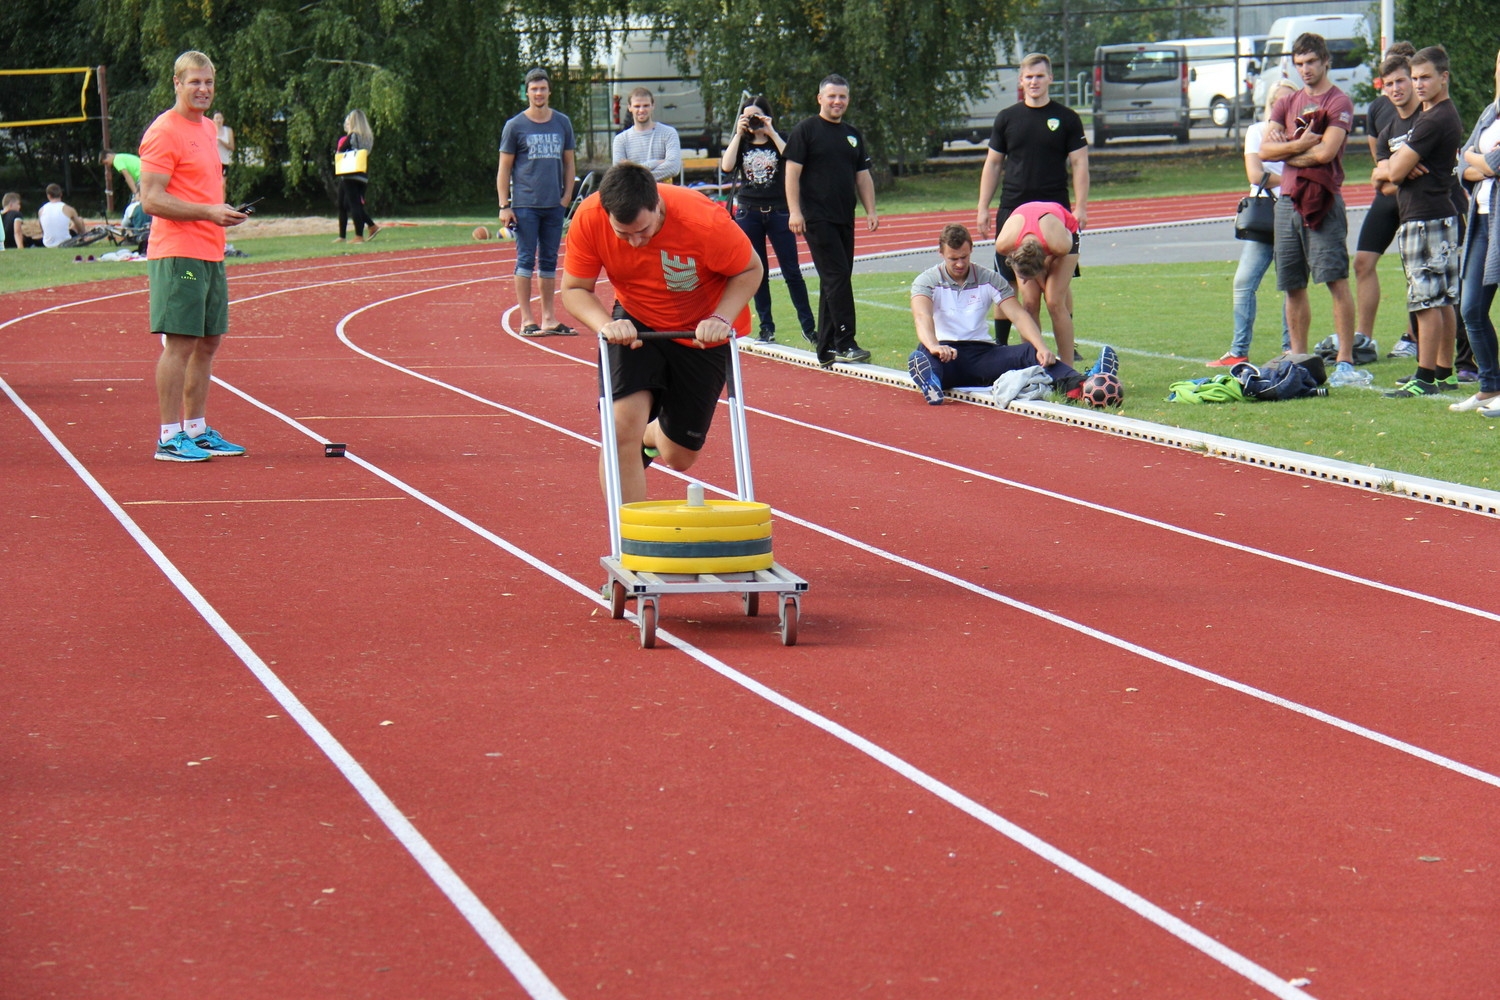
(188, 297)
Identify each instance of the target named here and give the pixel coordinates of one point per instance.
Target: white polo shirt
(962, 312)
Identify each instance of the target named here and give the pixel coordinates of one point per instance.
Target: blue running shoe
(180, 448)
(1108, 363)
(211, 442)
(919, 365)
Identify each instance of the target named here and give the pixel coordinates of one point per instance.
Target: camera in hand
(755, 121)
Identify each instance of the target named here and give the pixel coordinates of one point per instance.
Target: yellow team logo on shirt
(1053, 124)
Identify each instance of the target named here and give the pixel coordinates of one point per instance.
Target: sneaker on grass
(211, 442)
(1403, 349)
(919, 365)
(180, 448)
(1415, 387)
(1228, 361)
(1109, 362)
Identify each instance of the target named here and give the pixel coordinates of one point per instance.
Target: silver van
(1141, 89)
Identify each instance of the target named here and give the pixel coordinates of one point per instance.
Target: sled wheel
(616, 599)
(789, 616)
(647, 614)
(752, 603)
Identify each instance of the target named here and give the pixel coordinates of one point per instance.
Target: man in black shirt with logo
(827, 165)
(1421, 169)
(1040, 144)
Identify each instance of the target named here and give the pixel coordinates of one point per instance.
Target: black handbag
(1255, 219)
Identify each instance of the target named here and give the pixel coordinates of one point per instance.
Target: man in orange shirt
(677, 261)
(182, 187)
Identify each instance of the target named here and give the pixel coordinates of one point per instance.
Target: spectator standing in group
(1306, 132)
(1421, 168)
(60, 221)
(357, 136)
(535, 184)
(675, 261)
(183, 188)
(655, 146)
(10, 218)
(951, 306)
(827, 168)
(1255, 256)
(1040, 145)
(1481, 267)
(755, 153)
(225, 136)
(1393, 108)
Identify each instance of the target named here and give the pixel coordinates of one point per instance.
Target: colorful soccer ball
(1102, 390)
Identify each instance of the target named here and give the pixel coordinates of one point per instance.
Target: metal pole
(109, 171)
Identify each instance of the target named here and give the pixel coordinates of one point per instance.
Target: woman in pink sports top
(1040, 242)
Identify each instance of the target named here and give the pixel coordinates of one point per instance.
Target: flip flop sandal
(561, 330)
(532, 330)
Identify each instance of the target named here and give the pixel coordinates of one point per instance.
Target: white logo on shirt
(680, 275)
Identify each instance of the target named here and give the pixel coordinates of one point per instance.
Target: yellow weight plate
(716, 533)
(677, 514)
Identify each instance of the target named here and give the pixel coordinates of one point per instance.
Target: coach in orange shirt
(182, 187)
(676, 261)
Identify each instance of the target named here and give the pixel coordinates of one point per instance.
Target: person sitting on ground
(60, 221)
(951, 306)
(1040, 243)
(15, 235)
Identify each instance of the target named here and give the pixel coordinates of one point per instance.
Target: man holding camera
(827, 165)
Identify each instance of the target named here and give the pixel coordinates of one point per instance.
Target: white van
(1140, 89)
(1216, 79)
(642, 61)
(1349, 45)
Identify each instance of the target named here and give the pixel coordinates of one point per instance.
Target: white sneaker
(1473, 403)
(1403, 349)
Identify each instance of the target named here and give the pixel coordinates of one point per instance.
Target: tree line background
(438, 78)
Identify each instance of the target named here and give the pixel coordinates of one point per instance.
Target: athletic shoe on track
(211, 442)
(919, 365)
(1416, 387)
(180, 448)
(1228, 361)
(1108, 363)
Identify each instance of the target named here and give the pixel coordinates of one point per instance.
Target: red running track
(1070, 715)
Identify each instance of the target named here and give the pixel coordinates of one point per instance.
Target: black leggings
(352, 205)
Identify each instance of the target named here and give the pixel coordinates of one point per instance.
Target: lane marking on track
(232, 503)
(464, 899)
(1096, 880)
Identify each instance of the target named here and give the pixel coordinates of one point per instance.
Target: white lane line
(1096, 880)
(1375, 736)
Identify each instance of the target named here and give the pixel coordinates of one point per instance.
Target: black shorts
(684, 382)
(1003, 266)
(1379, 227)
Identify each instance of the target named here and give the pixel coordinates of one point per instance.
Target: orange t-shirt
(188, 152)
(675, 281)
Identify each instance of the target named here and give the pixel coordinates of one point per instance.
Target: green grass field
(1166, 321)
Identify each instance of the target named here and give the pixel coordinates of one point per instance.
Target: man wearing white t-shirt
(951, 305)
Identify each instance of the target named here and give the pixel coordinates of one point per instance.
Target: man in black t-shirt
(827, 166)
(1392, 110)
(1421, 170)
(1040, 144)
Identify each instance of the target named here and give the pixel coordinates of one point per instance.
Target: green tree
(1073, 28)
(1471, 53)
(911, 64)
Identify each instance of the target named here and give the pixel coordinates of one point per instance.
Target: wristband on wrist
(721, 319)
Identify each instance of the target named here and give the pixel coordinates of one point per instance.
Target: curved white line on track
(464, 899)
(1096, 880)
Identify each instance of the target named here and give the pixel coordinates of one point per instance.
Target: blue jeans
(538, 232)
(1255, 258)
(1475, 299)
(760, 227)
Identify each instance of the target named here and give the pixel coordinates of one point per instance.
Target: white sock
(195, 426)
(169, 431)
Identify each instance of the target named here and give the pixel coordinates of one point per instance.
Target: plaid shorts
(1431, 254)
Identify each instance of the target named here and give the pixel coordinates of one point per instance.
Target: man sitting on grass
(951, 305)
